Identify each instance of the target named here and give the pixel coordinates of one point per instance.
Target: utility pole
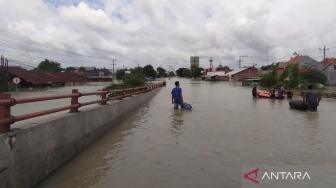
(240, 60)
(113, 69)
(324, 51)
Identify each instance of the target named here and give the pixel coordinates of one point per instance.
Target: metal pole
(240, 59)
(113, 69)
(324, 52)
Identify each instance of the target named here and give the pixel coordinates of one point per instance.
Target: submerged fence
(6, 119)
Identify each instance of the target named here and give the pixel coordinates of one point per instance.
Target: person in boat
(272, 92)
(177, 98)
(289, 93)
(311, 98)
(254, 90)
(281, 93)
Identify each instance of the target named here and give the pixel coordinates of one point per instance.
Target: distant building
(243, 73)
(44, 79)
(305, 62)
(194, 60)
(218, 73)
(94, 74)
(281, 67)
(329, 70)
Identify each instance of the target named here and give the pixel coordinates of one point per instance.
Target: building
(281, 67)
(217, 74)
(243, 73)
(94, 74)
(194, 60)
(305, 62)
(329, 69)
(44, 79)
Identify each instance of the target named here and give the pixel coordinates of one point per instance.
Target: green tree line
(292, 77)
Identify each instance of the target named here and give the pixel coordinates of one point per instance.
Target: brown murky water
(161, 147)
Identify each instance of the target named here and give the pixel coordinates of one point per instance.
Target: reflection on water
(177, 123)
(177, 119)
(158, 146)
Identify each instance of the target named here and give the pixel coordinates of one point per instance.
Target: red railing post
(103, 97)
(74, 100)
(5, 113)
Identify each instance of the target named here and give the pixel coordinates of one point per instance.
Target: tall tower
(211, 65)
(194, 60)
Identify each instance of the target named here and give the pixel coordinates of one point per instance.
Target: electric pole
(240, 60)
(113, 69)
(324, 51)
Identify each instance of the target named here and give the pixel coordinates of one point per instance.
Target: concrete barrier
(27, 156)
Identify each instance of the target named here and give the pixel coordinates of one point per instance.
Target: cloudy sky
(165, 32)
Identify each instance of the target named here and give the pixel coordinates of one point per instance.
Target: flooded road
(206, 147)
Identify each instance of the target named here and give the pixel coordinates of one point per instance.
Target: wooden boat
(298, 105)
(262, 94)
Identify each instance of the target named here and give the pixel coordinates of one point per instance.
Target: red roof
(24, 74)
(327, 61)
(42, 77)
(67, 77)
(305, 69)
(295, 59)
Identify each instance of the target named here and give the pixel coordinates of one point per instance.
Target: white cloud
(162, 32)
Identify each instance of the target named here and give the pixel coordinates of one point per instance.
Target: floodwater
(206, 147)
(26, 108)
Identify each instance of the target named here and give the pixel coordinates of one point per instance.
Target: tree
(49, 66)
(269, 67)
(269, 79)
(171, 73)
(120, 74)
(290, 78)
(134, 80)
(149, 71)
(202, 70)
(314, 76)
(70, 69)
(195, 71)
(183, 72)
(179, 72)
(186, 73)
(137, 70)
(161, 72)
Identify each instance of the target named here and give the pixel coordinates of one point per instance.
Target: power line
(324, 51)
(15, 45)
(240, 60)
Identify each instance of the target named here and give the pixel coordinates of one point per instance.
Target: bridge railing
(6, 102)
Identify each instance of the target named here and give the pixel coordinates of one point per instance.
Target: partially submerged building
(43, 79)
